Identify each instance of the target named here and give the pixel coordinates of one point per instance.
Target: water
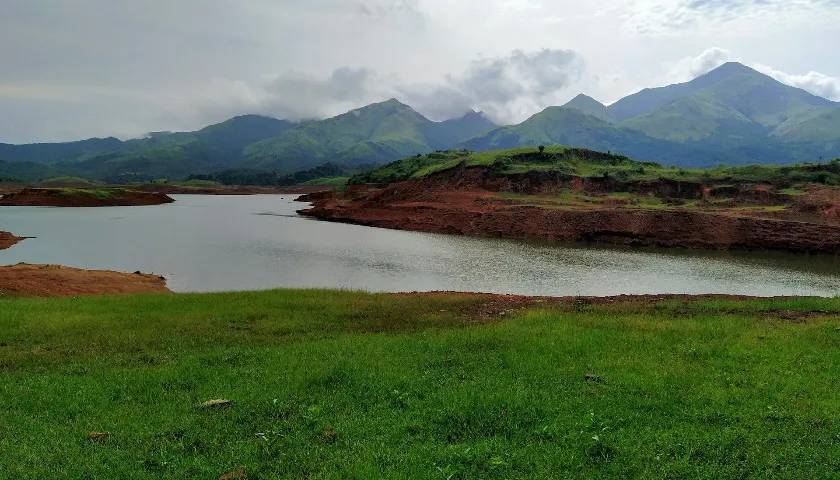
(214, 243)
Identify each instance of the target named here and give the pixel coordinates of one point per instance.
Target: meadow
(332, 384)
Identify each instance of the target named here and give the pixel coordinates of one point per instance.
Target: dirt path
(58, 281)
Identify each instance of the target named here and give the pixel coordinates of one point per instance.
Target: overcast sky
(73, 69)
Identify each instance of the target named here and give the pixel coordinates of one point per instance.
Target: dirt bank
(473, 202)
(7, 240)
(110, 197)
(58, 281)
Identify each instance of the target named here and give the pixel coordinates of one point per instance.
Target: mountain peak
(583, 100)
(588, 105)
(728, 69)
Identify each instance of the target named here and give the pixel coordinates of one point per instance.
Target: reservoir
(254, 242)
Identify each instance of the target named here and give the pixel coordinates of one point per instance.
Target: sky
(95, 68)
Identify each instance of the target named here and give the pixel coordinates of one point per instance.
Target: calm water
(210, 243)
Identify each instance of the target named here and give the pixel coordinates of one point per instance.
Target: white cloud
(99, 67)
(507, 89)
(814, 82)
(692, 67)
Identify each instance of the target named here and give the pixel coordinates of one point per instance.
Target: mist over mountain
(731, 115)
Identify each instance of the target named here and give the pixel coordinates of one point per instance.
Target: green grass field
(329, 384)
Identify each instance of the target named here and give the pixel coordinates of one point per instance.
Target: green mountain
(370, 135)
(732, 115)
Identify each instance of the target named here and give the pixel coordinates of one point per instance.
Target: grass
(99, 193)
(331, 181)
(329, 384)
(568, 161)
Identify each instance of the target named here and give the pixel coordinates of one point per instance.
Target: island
(83, 197)
(579, 195)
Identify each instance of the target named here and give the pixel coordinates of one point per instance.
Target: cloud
(512, 87)
(814, 82)
(657, 17)
(692, 67)
(507, 88)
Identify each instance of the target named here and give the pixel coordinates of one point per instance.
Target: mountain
(375, 134)
(49, 153)
(451, 132)
(731, 115)
(159, 154)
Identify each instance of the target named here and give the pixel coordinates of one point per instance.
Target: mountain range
(731, 115)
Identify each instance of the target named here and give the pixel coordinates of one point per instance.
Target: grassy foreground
(331, 384)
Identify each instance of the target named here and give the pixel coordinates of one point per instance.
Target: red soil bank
(465, 202)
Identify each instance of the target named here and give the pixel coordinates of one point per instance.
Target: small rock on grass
(238, 474)
(215, 403)
(591, 377)
(330, 435)
(97, 436)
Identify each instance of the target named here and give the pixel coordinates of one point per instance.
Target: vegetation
(67, 181)
(569, 161)
(328, 384)
(266, 178)
(100, 193)
(329, 181)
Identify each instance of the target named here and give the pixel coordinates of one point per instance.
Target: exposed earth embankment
(474, 201)
(57, 281)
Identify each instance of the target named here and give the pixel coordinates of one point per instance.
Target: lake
(215, 243)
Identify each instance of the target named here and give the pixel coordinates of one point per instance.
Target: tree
(541, 148)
